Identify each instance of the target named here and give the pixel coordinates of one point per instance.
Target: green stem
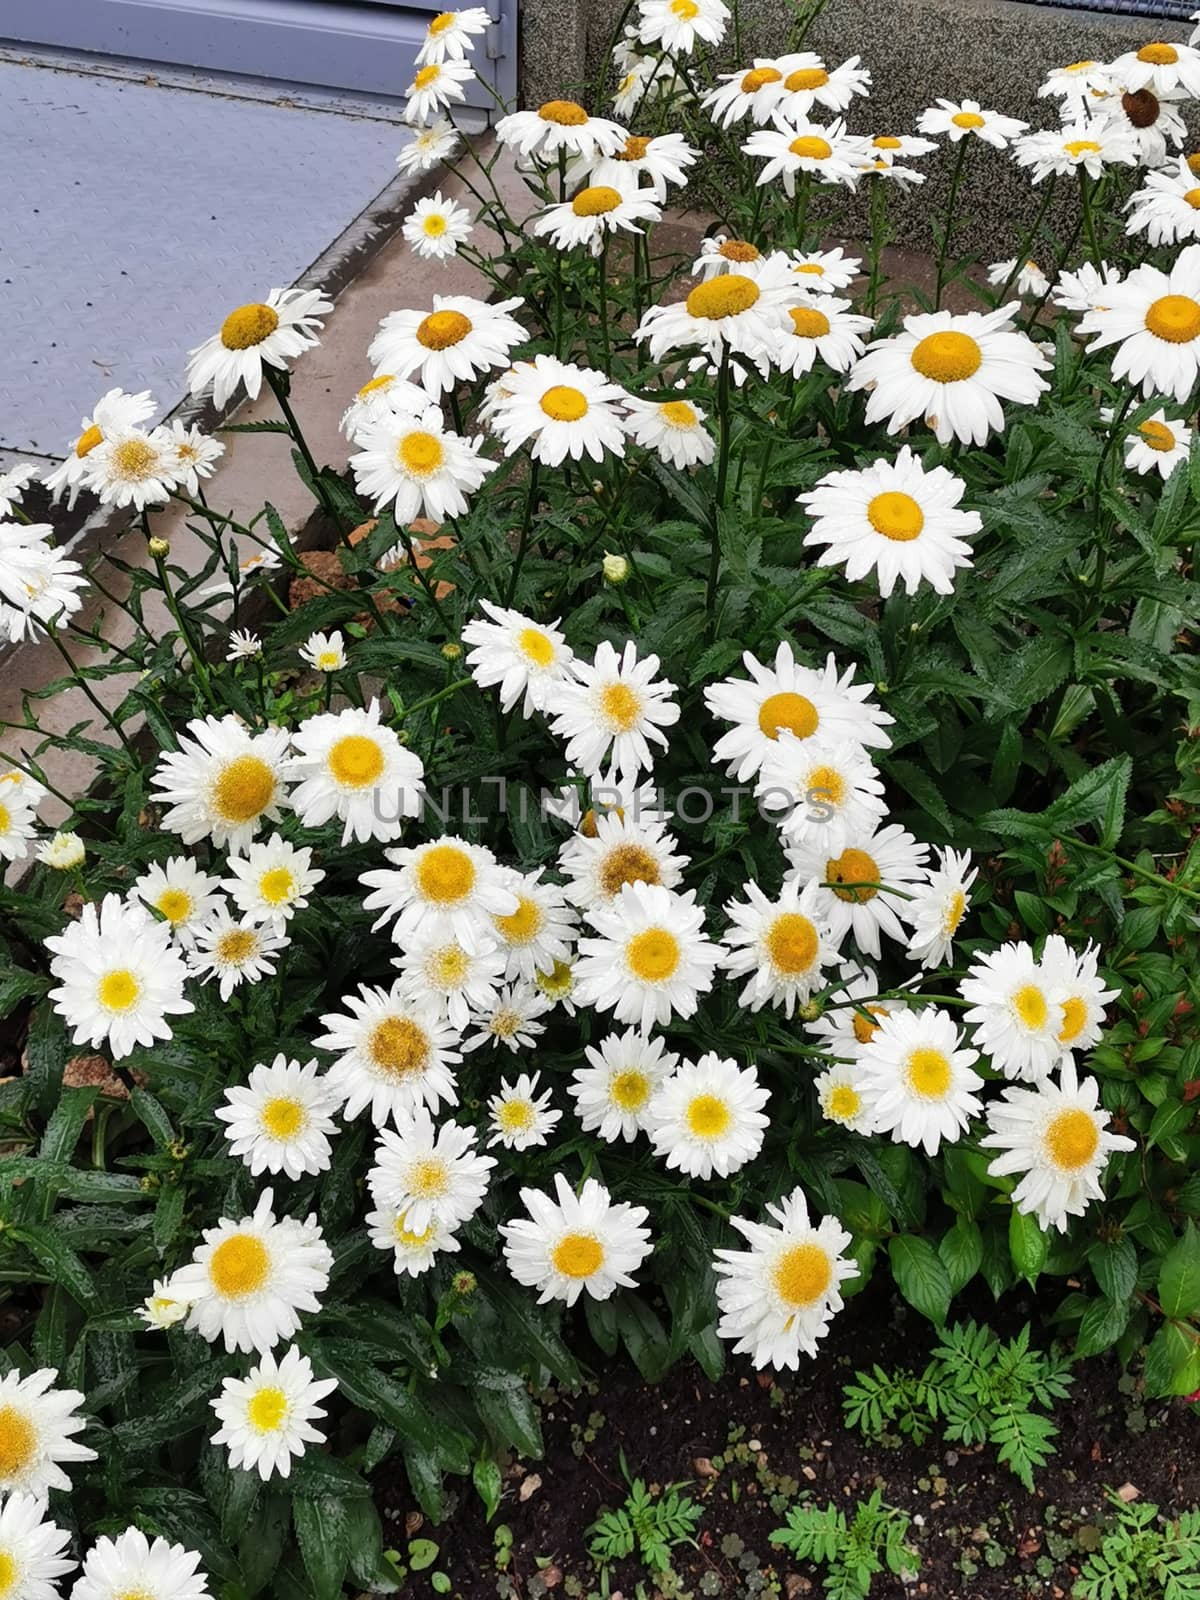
(723, 423)
(278, 382)
(82, 683)
(603, 291)
(948, 231)
(531, 500)
(1028, 242)
(185, 631)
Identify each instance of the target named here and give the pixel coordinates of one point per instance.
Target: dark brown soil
(748, 1446)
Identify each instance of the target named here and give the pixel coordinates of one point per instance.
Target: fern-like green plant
(981, 1389)
(646, 1524)
(1144, 1557)
(855, 1550)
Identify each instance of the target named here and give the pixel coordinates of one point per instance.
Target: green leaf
(1115, 1267)
(1101, 1325)
(644, 1336)
(489, 1484)
(52, 1253)
(961, 1252)
(322, 1535)
(1028, 1245)
(1179, 1277)
(920, 1276)
(506, 1407)
(379, 1395)
(1173, 1361)
(526, 1323)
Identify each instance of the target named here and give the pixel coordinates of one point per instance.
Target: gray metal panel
(365, 47)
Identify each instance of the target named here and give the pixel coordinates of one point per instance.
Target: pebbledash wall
(994, 51)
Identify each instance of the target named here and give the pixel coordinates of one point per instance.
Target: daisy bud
(159, 548)
(64, 852)
(616, 568)
(465, 1284)
(452, 651)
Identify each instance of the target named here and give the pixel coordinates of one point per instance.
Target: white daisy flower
(13, 484)
(64, 852)
(673, 429)
(249, 1280)
(522, 657)
(863, 880)
(1161, 67)
(564, 409)
(1156, 445)
(435, 88)
(324, 652)
(576, 1242)
(677, 26)
(1074, 977)
(938, 906)
(824, 330)
(261, 561)
(451, 35)
(753, 92)
(1074, 85)
(435, 227)
(438, 969)
(383, 396)
(234, 951)
(395, 1054)
(518, 1116)
(777, 1298)
(617, 850)
(613, 711)
(196, 454)
(267, 1417)
(893, 147)
(223, 782)
(967, 119)
(114, 412)
(807, 149)
(281, 1120)
(119, 977)
(1016, 1011)
(182, 895)
(161, 1309)
(662, 159)
(916, 1079)
(651, 958)
(445, 888)
(707, 1117)
(18, 823)
(32, 1549)
(1028, 279)
(511, 1021)
(808, 83)
(613, 1094)
(557, 983)
(581, 802)
(1057, 1137)
(243, 645)
(1167, 206)
(456, 342)
(893, 518)
(1087, 288)
(788, 697)
(734, 312)
(559, 125)
(823, 789)
(350, 766)
(272, 881)
(37, 1427)
(432, 1174)
(1153, 122)
(719, 253)
(540, 932)
(779, 946)
(952, 371)
(593, 215)
(840, 1097)
(38, 584)
(417, 466)
(412, 1253)
(824, 271)
(131, 1564)
(1089, 143)
(268, 333)
(429, 147)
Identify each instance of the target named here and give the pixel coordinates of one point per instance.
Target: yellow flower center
(277, 886)
(267, 1409)
(248, 326)
(812, 268)
(828, 785)
(1081, 147)
(1192, 197)
(1156, 434)
(18, 1443)
(283, 1117)
(1071, 1139)
(406, 1237)
(243, 790)
(967, 119)
(678, 414)
(562, 403)
(896, 516)
(738, 250)
(440, 329)
(355, 761)
(620, 707)
(449, 966)
(887, 141)
(88, 440)
(441, 22)
(1193, 162)
(135, 459)
(236, 946)
(806, 78)
(758, 78)
(595, 201)
(1158, 54)
(239, 1266)
(1175, 318)
(398, 1047)
(708, 1117)
(505, 1024)
(865, 1027)
(564, 112)
(558, 982)
(955, 908)
(445, 874)
(792, 944)
(1078, 66)
(653, 955)
(928, 1073)
(1074, 1019)
(843, 1102)
(629, 1089)
(427, 75)
(802, 1274)
(685, 10)
(376, 384)
(536, 646)
(856, 876)
(947, 357)
(627, 863)
(434, 225)
(726, 296)
(118, 990)
(811, 147)
(523, 925)
(635, 148)
(429, 1178)
(174, 904)
(808, 322)
(1030, 1005)
(515, 1116)
(9, 1572)
(577, 1255)
(790, 713)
